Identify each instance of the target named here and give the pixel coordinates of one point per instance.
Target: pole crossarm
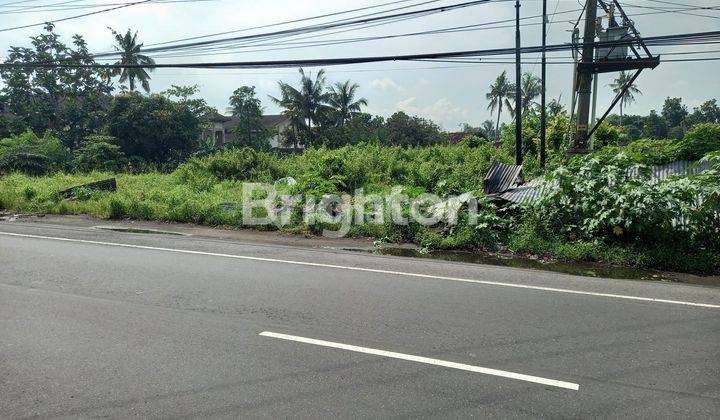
(610, 66)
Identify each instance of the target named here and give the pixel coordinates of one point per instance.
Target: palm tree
(130, 55)
(488, 128)
(531, 89)
(629, 96)
(500, 91)
(306, 106)
(555, 107)
(342, 99)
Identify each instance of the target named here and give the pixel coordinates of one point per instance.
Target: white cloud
(385, 84)
(442, 111)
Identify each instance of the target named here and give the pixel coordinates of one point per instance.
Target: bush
(599, 198)
(699, 140)
(651, 152)
(98, 155)
(607, 135)
(33, 155)
(116, 209)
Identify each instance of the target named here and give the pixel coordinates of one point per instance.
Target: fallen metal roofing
(501, 177)
(527, 193)
(682, 167)
(532, 190)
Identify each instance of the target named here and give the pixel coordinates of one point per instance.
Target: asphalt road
(108, 324)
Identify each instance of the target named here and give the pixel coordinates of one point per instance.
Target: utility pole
(518, 89)
(543, 86)
(586, 78)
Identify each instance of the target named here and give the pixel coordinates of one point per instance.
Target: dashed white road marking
(426, 360)
(371, 270)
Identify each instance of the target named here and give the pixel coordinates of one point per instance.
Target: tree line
(84, 110)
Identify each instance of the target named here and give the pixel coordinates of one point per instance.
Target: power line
(213, 47)
(295, 21)
(422, 12)
(317, 43)
(663, 40)
(58, 7)
(75, 17)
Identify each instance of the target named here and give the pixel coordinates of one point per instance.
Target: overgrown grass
(194, 193)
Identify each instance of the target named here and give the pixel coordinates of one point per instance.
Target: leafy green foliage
(609, 198)
(183, 94)
(99, 156)
(33, 155)
(651, 152)
(701, 139)
(606, 135)
(71, 102)
(152, 127)
(404, 130)
(247, 109)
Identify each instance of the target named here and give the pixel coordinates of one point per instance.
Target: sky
(448, 93)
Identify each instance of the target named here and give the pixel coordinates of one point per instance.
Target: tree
(129, 50)
(153, 127)
(500, 91)
(531, 89)
(306, 107)
(654, 127)
(488, 129)
(675, 113)
(71, 102)
(629, 96)
(182, 94)
(555, 108)
(404, 130)
(342, 100)
(708, 112)
(246, 107)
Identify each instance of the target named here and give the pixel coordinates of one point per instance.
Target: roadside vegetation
(584, 217)
(63, 130)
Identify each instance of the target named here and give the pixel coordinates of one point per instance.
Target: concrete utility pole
(543, 114)
(586, 78)
(518, 89)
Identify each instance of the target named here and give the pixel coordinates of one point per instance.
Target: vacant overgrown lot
(593, 209)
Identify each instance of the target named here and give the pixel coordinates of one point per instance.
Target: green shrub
(596, 197)
(33, 155)
(98, 155)
(651, 152)
(607, 135)
(698, 141)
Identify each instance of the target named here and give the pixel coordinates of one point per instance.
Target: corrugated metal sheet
(501, 177)
(532, 190)
(683, 167)
(527, 193)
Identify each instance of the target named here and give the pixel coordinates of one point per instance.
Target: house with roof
(219, 128)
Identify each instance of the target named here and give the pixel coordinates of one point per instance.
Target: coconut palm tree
(500, 92)
(342, 99)
(629, 96)
(129, 50)
(488, 127)
(306, 106)
(531, 89)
